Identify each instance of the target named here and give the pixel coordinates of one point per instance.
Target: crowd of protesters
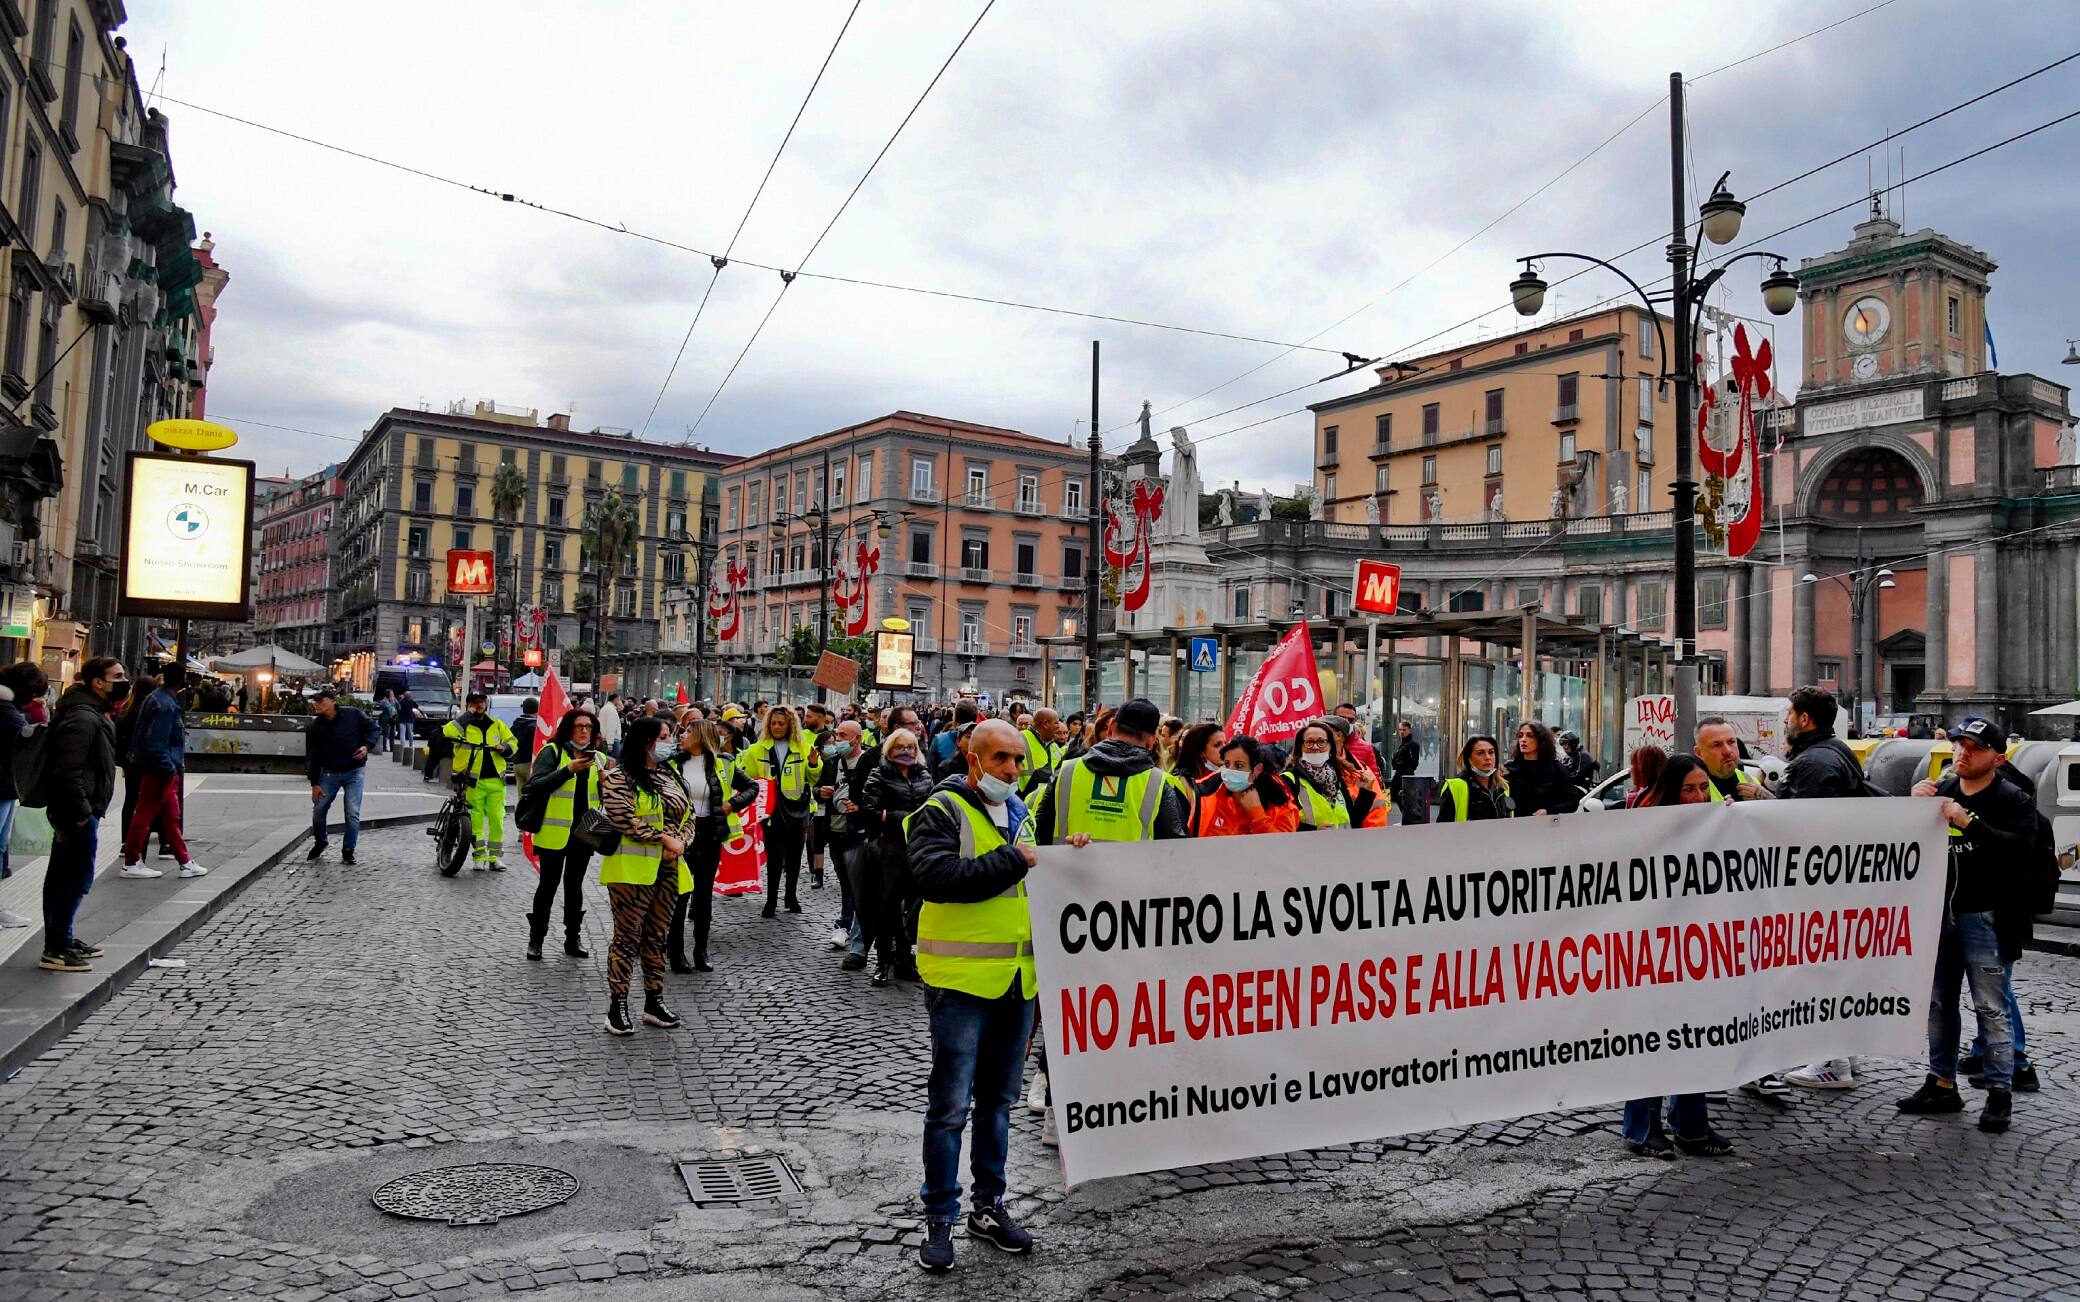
(927, 822)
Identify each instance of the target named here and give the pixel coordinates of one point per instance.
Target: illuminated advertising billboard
(187, 537)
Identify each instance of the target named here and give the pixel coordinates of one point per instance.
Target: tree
(609, 535)
(508, 492)
(1290, 508)
(508, 496)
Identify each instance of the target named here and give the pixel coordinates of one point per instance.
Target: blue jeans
(2014, 1023)
(978, 1053)
(1969, 952)
(1686, 1112)
(331, 784)
(67, 881)
(7, 808)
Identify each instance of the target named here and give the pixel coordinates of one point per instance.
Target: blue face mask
(995, 789)
(836, 748)
(1235, 780)
(662, 751)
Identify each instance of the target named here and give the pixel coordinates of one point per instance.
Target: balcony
(1567, 413)
(1030, 506)
(924, 644)
(1023, 651)
(920, 570)
(1025, 579)
(923, 493)
(1493, 428)
(1069, 582)
(975, 574)
(972, 647)
(1382, 448)
(977, 500)
(1326, 459)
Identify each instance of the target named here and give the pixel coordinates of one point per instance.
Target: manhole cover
(739, 1180)
(478, 1194)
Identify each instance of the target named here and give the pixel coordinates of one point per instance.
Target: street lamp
(1719, 221)
(1859, 584)
(2072, 357)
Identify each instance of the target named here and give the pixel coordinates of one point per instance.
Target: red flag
(554, 704)
(679, 697)
(1285, 693)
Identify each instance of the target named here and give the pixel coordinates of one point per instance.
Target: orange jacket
(1221, 813)
(1376, 812)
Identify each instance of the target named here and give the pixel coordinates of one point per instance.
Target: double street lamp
(1860, 583)
(1719, 221)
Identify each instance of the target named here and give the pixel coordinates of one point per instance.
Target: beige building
(1564, 420)
(100, 331)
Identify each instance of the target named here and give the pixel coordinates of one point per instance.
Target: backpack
(2044, 869)
(32, 768)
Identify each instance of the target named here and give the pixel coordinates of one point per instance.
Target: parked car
(429, 687)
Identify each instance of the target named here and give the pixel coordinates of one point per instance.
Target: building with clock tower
(1923, 507)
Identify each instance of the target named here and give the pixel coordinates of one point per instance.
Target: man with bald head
(970, 850)
(1043, 752)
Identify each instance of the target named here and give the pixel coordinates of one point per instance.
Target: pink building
(293, 597)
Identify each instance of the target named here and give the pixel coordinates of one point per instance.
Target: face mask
(995, 789)
(662, 751)
(1235, 780)
(903, 759)
(1480, 772)
(836, 749)
(119, 690)
(1315, 756)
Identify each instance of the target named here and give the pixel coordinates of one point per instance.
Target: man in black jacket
(335, 759)
(1128, 751)
(1408, 757)
(1992, 827)
(1821, 764)
(80, 773)
(978, 1035)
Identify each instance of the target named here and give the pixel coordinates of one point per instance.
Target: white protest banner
(1231, 997)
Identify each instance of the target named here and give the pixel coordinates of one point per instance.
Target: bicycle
(451, 834)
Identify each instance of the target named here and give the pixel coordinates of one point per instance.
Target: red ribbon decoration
(722, 602)
(853, 592)
(1751, 381)
(1147, 507)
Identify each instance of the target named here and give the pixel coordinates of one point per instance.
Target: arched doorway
(1872, 485)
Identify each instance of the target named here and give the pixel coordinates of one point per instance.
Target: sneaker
(1036, 1093)
(1993, 1118)
(1933, 1097)
(1972, 1064)
(317, 850)
(852, 963)
(1771, 1086)
(140, 871)
(497, 865)
(656, 1014)
(83, 949)
(617, 1018)
(1654, 1145)
(67, 962)
(1834, 1074)
(2026, 1080)
(1711, 1145)
(480, 865)
(935, 1254)
(1048, 1134)
(840, 937)
(994, 1224)
(9, 918)
(193, 869)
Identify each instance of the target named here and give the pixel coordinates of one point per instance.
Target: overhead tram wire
(1634, 121)
(722, 260)
(787, 278)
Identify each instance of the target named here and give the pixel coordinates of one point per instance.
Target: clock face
(1866, 366)
(1867, 321)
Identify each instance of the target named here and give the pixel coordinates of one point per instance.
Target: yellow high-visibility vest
(977, 949)
(1106, 807)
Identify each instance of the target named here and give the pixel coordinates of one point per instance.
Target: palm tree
(610, 534)
(508, 495)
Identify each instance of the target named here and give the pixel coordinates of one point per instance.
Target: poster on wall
(187, 537)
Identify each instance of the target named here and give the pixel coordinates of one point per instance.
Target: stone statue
(1371, 509)
(1495, 509)
(1436, 500)
(1317, 509)
(1619, 498)
(2068, 453)
(1558, 503)
(1264, 504)
(1224, 508)
(1180, 517)
(1146, 418)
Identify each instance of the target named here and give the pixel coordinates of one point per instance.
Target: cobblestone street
(218, 1131)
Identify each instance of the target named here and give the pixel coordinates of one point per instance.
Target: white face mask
(662, 751)
(995, 789)
(1315, 756)
(1480, 772)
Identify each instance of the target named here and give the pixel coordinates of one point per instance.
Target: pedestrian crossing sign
(1205, 655)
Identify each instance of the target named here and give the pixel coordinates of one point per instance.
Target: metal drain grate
(478, 1194)
(739, 1180)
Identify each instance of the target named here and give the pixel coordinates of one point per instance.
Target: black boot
(617, 1018)
(884, 971)
(656, 1014)
(537, 931)
(571, 923)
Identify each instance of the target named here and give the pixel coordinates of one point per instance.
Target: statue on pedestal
(1264, 504)
(1558, 502)
(1224, 508)
(1619, 498)
(1181, 518)
(1372, 510)
(1436, 500)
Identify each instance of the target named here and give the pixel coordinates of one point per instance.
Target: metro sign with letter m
(1376, 588)
(469, 574)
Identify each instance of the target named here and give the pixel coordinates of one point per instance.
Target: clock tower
(1893, 305)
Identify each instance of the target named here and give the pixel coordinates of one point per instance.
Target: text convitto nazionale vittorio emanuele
(1410, 980)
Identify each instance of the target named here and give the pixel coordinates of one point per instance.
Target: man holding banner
(969, 856)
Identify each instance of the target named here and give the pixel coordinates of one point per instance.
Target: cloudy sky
(1258, 169)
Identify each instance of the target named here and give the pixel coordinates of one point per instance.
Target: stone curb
(132, 956)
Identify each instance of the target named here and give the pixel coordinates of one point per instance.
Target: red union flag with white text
(1285, 693)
